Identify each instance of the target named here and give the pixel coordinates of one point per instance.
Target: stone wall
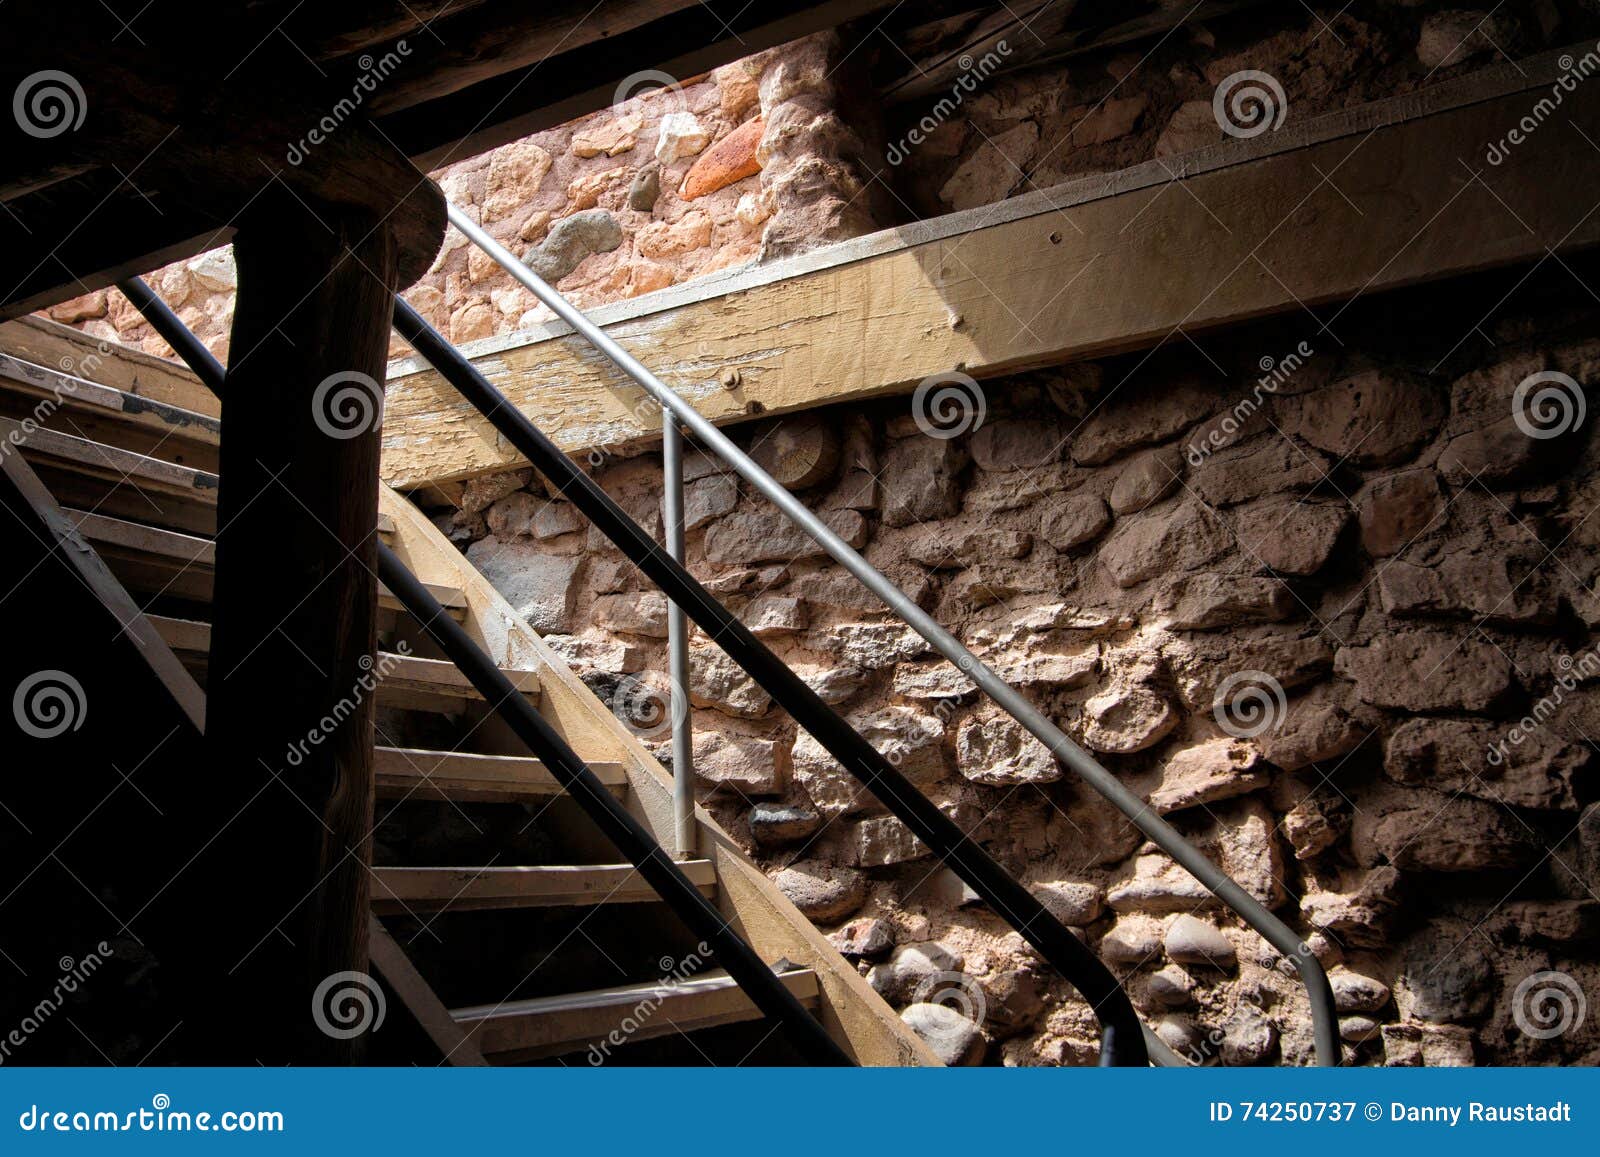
(752, 159)
(992, 135)
(1325, 599)
(1304, 606)
(789, 149)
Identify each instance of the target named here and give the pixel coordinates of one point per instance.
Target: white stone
(681, 135)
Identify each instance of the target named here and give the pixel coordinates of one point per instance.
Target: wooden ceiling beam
(570, 84)
(1361, 201)
(460, 50)
(177, 162)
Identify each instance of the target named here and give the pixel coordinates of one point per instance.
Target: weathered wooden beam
(569, 84)
(1373, 198)
(176, 160)
(1036, 38)
(88, 231)
(463, 48)
(295, 600)
(1005, 36)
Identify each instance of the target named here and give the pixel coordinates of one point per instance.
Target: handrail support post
(678, 644)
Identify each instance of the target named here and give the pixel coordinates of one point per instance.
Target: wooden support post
(290, 702)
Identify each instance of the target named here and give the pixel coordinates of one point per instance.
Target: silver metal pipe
(678, 645)
(1163, 834)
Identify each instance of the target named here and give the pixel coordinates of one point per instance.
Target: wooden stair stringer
(454, 1043)
(79, 554)
(853, 1014)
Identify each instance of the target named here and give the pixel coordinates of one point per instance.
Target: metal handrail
(1122, 1034)
(1137, 810)
(630, 837)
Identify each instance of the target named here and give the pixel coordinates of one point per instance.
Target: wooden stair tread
(552, 1025)
(401, 674)
(73, 393)
(195, 556)
(415, 773)
(111, 463)
(195, 550)
(398, 890)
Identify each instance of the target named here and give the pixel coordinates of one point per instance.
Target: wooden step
(155, 560)
(116, 482)
(551, 1026)
(399, 890)
(87, 409)
(406, 681)
(463, 777)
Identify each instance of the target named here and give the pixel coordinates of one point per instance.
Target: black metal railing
(1122, 1039)
(631, 838)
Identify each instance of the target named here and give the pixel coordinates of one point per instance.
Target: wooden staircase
(487, 881)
